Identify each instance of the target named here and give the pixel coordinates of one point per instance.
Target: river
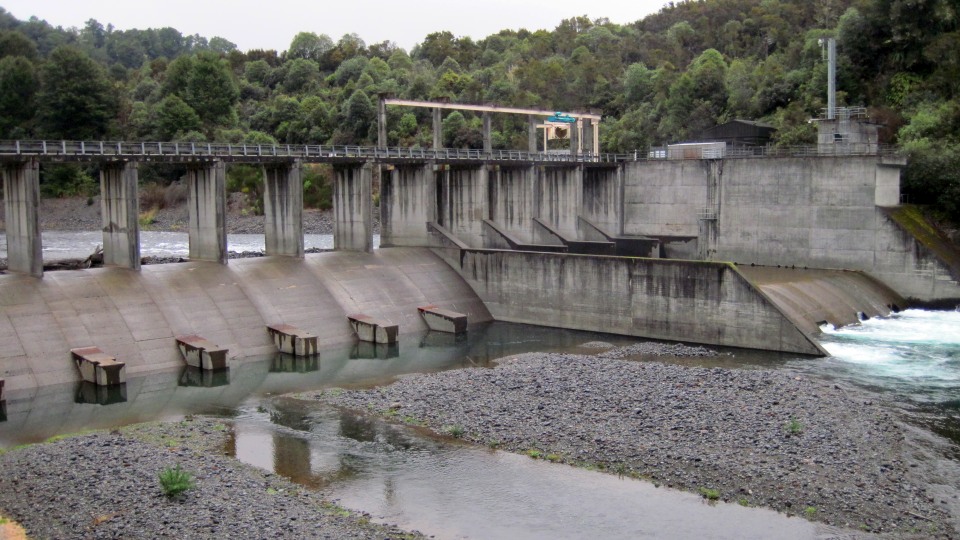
(453, 490)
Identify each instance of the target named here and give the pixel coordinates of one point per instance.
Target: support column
(532, 134)
(574, 138)
(119, 212)
(587, 144)
(381, 123)
(487, 137)
(437, 129)
(21, 192)
(208, 211)
(408, 201)
(283, 209)
(353, 207)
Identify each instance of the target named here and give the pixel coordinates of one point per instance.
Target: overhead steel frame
(576, 142)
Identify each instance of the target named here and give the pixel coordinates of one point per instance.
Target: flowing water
(59, 245)
(452, 490)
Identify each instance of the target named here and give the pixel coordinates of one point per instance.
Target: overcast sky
(271, 24)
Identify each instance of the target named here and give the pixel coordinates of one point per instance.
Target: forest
(661, 79)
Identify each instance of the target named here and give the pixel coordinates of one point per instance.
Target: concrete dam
(743, 252)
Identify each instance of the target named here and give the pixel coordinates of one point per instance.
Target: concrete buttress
(21, 189)
(120, 210)
(208, 210)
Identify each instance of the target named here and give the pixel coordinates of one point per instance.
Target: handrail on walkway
(263, 153)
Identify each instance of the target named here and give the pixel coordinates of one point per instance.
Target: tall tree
(18, 84)
(75, 100)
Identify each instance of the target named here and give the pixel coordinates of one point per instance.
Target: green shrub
(710, 494)
(174, 481)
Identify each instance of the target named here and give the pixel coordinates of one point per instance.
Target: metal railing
(739, 152)
(195, 151)
(187, 151)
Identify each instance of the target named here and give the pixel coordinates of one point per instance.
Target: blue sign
(562, 118)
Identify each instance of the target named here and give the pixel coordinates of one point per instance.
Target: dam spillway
(136, 315)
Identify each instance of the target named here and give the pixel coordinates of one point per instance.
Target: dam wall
(703, 302)
(819, 212)
(135, 316)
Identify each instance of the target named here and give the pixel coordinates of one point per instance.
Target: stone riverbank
(757, 437)
(105, 485)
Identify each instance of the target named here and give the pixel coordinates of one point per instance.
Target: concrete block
(97, 367)
(292, 340)
(201, 353)
(443, 320)
(373, 330)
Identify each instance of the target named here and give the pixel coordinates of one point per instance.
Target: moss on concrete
(910, 218)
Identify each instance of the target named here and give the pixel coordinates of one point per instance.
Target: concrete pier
(202, 353)
(291, 340)
(443, 320)
(120, 212)
(21, 199)
(513, 201)
(208, 211)
(353, 207)
(283, 209)
(373, 330)
(560, 198)
(408, 201)
(463, 200)
(98, 367)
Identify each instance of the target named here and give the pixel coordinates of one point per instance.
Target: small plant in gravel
(534, 453)
(493, 443)
(414, 421)
(710, 494)
(810, 512)
(455, 431)
(742, 501)
(553, 458)
(174, 481)
(794, 427)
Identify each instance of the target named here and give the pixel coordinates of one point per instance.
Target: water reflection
(204, 378)
(36, 414)
(94, 394)
(452, 490)
(288, 363)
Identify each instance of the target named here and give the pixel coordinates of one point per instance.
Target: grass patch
(174, 481)
(793, 427)
(710, 494)
(147, 217)
(534, 453)
(810, 512)
(553, 458)
(455, 431)
(742, 501)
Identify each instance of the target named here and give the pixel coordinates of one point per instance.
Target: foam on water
(914, 353)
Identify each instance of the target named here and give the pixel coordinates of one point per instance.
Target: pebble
(763, 437)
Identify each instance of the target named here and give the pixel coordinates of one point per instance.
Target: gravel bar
(757, 437)
(105, 485)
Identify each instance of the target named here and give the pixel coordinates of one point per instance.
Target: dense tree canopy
(661, 79)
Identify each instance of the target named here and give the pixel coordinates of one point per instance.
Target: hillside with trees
(661, 79)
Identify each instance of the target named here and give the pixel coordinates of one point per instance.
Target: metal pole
(831, 78)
